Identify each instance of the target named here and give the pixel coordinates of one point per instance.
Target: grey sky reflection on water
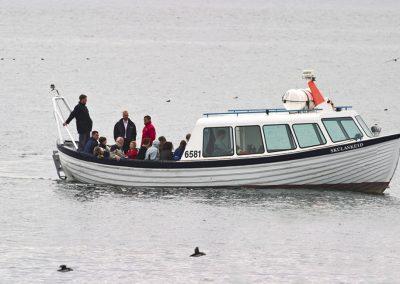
(200, 55)
(272, 199)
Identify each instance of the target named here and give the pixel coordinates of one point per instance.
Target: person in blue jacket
(92, 143)
(179, 151)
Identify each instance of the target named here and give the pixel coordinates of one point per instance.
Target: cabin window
(335, 131)
(278, 137)
(342, 128)
(217, 141)
(364, 126)
(248, 140)
(308, 135)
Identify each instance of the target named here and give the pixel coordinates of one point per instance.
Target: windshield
(364, 126)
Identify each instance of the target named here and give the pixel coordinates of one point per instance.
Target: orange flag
(318, 98)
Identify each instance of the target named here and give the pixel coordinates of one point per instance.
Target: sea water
(203, 56)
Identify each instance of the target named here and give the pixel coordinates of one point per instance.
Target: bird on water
(394, 60)
(197, 253)
(64, 268)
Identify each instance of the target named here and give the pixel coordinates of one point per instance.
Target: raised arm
(71, 116)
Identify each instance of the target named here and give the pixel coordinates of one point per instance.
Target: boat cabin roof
(259, 116)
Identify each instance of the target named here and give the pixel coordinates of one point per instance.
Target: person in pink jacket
(148, 130)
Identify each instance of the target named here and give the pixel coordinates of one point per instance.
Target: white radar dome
(298, 99)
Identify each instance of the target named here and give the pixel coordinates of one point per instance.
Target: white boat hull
(368, 169)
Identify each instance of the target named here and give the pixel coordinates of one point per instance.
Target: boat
(308, 144)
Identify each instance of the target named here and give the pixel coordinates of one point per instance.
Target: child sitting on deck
(146, 143)
(132, 152)
(98, 152)
(104, 146)
(166, 153)
(179, 151)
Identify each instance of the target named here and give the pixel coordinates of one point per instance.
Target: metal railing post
(59, 118)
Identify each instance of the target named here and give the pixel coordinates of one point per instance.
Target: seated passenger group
(125, 146)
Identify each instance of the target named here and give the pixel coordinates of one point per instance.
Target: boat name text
(346, 148)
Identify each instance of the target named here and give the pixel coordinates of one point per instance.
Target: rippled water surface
(136, 55)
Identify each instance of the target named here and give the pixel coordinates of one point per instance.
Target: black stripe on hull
(331, 150)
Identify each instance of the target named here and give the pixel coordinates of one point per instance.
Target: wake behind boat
(308, 144)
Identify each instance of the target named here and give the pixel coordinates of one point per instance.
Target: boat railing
(340, 108)
(270, 110)
(267, 111)
(59, 102)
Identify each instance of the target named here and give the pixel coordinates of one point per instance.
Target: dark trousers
(83, 138)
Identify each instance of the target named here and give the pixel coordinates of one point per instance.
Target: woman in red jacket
(148, 130)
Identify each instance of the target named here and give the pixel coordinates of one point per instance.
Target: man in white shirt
(126, 129)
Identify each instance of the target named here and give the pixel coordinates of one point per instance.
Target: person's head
(147, 119)
(156, 144)
(162, 140)
(125, 115)
(98, 151)
(103, 141)
(182, 145)
(119, 142)
(221, 134)
(168, 146)
(83, 99)
(95, 135)
(146, 142)
(188, 136)
(132, 145)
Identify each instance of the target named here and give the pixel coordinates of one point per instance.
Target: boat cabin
(264, 132)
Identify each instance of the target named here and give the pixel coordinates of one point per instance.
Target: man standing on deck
(126, 129)
(83, 121)
(148, 130)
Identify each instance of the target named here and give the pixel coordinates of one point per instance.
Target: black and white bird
(394, 60)
(64, 268)
(197, 253)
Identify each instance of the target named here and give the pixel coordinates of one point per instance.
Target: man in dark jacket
(126, 129)
(92, 143)
(83, 121)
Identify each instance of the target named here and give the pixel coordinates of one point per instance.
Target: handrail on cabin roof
(339, 108)
(252, 111)
(258, 110)
(269, 110)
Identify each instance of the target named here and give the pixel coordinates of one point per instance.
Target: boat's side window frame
(289, 132)
(339, 122)
(260, 136)
(364, 126)
(206, 144)
(320, 135)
